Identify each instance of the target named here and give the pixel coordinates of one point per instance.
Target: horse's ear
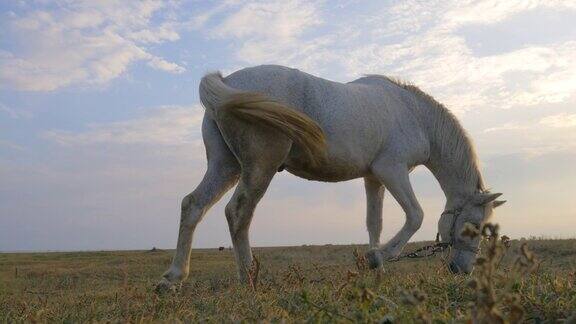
(498, 203)
(485, 197)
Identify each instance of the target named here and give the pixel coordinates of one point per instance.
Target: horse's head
(474, 212)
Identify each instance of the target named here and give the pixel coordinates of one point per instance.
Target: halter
(456, 212)
(439, 247)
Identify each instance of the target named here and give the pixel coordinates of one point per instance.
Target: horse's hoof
(166, 287)
(374, 259)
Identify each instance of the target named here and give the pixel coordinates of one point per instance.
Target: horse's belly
(349, 155)
(334, 169)
(323, 175)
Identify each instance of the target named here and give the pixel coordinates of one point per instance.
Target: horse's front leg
(396, 179)
(374, 198)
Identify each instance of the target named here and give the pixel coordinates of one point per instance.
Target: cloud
(533, 137)
(11, 145)
(563, 120)
(266, 29)
(99, 183)
(82, 42)
(507, 127)
(155, 35)
(270, 19)
(15, 114)
(493, 11)
(161, 126)
(117, 174)
(200, 20)
(418, 41)
(164, 65)
(440, 60)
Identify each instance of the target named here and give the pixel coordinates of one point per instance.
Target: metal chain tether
(423, 252)
(432, 249)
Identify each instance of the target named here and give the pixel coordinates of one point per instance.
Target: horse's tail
(257, 108)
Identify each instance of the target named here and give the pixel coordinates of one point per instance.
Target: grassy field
(307, 283)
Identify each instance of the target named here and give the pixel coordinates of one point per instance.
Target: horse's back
(357, 117)
(375, 96)
(327, 102)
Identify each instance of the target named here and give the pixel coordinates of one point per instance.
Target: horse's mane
(449, 137)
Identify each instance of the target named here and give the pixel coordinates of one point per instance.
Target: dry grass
(308, 283)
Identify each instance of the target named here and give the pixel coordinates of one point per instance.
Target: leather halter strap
(456, 212)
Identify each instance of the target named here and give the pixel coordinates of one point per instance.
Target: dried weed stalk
(488, 304)
(253, 273)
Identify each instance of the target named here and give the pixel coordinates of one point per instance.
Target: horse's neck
(458, 178)
(452, 156)
(456, 190)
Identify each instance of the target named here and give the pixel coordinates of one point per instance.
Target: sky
(100, 117)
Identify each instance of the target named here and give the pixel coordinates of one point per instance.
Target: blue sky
(99, 111)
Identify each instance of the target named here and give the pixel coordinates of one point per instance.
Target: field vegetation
(515, 281)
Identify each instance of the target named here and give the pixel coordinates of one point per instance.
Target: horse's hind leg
(240, 209)
(374, 199)
(396, 179)
(261, 152)
(223, 172)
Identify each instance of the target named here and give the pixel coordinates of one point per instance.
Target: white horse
(264, 119)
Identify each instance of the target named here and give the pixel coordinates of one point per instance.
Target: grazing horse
(264, 119)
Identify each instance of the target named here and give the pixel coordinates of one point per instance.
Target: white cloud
(562, 120)
(162, 126)
(268, 30)
(440, 60)
(422, 42)
(82, 42)
(162, 33)
(15, 114)
(164, 65)
(404, 17)
(200, 19)
(134, 171)
(11, 145)
(531, 138)
(414, 40)
(271, 19)
(507, 127)
(493, 11)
